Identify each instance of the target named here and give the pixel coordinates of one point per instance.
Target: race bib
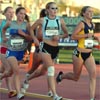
(88, 43)
(52, 32)
(17, 42)
(7, 35)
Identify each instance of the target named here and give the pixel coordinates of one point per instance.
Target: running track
(67, 88)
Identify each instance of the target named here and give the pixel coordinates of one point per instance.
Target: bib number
(51, 32)
(7, 35)
(17, 42)
(89, 43)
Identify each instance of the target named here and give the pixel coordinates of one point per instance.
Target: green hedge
(65, 56)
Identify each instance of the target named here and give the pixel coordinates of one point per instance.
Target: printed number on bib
(17, 42)
(88, 43)
(51, 32)
(7, 35)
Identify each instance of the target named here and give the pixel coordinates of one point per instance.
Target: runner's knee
(93, 75)
(51, 71)
(8, 73)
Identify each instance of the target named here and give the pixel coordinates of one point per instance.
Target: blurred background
(66, 7)
(69, 10)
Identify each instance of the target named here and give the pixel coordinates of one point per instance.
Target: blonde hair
(48, 6)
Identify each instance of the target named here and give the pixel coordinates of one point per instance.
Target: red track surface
(67, 88)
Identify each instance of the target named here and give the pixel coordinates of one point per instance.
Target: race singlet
(16, 42)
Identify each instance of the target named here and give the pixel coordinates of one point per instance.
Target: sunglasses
(54, 8)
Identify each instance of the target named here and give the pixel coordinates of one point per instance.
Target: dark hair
(83, 10)
(42, 13)
(6, 9)
(19, 8)
(26, 16)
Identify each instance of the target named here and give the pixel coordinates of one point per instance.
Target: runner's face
(21, 15)
(53, 10)
(9, 14)
(88, 13)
